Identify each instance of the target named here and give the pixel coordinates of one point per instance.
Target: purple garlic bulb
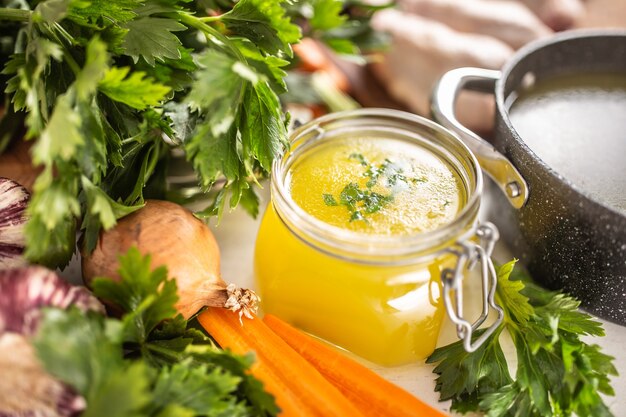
(24, 291)
(26, 389)
(13, 201)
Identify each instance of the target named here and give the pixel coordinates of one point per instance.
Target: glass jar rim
(376, 248)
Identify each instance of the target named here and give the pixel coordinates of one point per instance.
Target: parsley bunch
(150, 362)
(557, 373)
(106, 89)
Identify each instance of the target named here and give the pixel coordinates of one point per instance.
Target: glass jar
(382, 297)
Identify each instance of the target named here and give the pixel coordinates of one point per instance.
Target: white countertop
(236, 235)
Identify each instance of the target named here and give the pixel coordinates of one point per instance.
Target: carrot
(222, 330)
(314, 58)
(300, 390)
(370, 393)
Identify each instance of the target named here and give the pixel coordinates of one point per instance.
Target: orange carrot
(370, 393)
(300, 390)
(288, 402)
(314, 57)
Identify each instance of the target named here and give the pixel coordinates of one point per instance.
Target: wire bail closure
(468, 255)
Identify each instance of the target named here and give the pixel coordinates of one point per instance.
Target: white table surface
(236, 235)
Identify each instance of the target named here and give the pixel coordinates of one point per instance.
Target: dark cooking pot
(566, 239)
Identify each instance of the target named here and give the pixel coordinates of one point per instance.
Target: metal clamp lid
(468, 254)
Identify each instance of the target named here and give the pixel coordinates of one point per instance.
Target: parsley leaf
(116, 398)
(92, 157)
(135, 90)
(146, 296)
(264, 23)
(54, 205)
(152, 38)
(553, 303)
(150, 362)
(327, 14)
(174, 73)
(101, 13)
(329, 200)
(557, 373)
(212, 155)
(259, 401)
(108, 87)
(102, 211)
(51, 213)
(29, 81)
(360, 202)
(249, 201)
(205, 392)
(96, 63)
(270, 66)
(359, 157)
(263, 133)
(469, 375)
(169, 342)
(351, 195)
(510, 292)
(216, 68)
(373, 202)
(61, 137)
(90, 359)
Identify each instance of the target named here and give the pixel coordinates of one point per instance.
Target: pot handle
(492, 162)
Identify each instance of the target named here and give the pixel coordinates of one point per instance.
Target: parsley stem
(15, 15)
(71, 62)
(209, 19)
(69, 59)
(197, 23)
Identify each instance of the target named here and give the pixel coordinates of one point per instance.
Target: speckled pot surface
(566, 239)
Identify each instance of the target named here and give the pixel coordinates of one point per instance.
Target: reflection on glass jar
(367, 210)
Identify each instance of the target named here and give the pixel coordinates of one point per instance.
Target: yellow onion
(177, 239)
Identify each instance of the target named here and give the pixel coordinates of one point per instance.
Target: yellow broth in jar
(388, 314)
